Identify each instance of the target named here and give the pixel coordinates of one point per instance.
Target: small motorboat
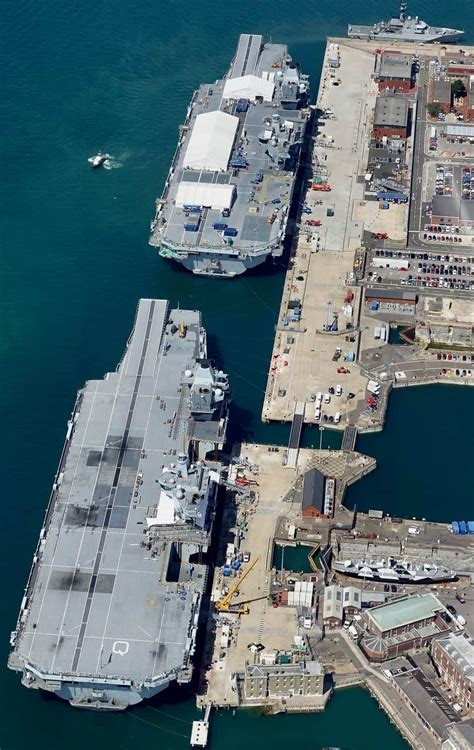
(97, 160)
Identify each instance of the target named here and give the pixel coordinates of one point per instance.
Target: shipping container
(220, 225)
(455, 527)
(230, 232)
(191, 226)
(470, 527)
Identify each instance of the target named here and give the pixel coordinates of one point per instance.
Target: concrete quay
(261, 510)
(258, 520)
(328, 273)
(320, 270)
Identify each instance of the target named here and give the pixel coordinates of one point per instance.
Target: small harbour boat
(98, 160)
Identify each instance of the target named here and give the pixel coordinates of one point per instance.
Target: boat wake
(112, 163)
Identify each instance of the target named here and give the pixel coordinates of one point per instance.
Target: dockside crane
(225, 604)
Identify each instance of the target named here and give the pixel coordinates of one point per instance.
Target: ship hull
(94, 697)
(367, 34)
(401, 578)
(223, 267)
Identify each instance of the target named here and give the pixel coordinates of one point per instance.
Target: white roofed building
(205, 194)
(211, 142)
(249, 87)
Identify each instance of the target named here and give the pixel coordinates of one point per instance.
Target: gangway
(349, 438)
(295, 434)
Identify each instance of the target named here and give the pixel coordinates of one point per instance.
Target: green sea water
(82, 76)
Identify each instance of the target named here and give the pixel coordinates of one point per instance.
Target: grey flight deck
(99, 614)
(259, 210)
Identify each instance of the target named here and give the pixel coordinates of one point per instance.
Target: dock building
(390, 300)
(394, 71)
(304, 678)
(318, 495)
(459, 736)
(394, 628)
(391, 117)
(425, 701)
(340, 603)
(453, 656)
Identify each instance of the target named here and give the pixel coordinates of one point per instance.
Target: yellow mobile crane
(225, 604)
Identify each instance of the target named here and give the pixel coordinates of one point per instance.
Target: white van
(413, 530)
(327, 398)
(337, 417)
(338, 390)
(353, 633)
(317, 413)
(461, 620)
(319, 398)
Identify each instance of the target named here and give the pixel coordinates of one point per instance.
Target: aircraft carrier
(111, 607)
(403, 28)
(225, 204)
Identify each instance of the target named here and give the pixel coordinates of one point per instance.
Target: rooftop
(391, 110)
(375, 293)
(459, 647)
(393, 65)
(426, 700)
(403, 612)
(313, 490)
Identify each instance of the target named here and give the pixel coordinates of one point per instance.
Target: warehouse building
(425, 701)
(400, 616)
(390, 300)
(340, 603)
(318, 495)
(459, 736)
(391, 117)
(304, 678)
(402, 625)
(453, 656)
(394, 71)
(452, 211)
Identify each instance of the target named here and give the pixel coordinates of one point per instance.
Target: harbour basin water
(84, 76)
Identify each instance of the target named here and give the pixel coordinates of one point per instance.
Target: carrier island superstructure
(225, 204)
(111, 607)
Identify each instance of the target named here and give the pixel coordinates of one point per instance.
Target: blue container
(191, 207)
(455, 527)
(226, 571)
(221, 225)
(374, 305)
(463, 527)
(470, 527)
(230, 232)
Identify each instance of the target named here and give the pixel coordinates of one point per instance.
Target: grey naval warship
(403, 28)
(111, 607)
(225, 204)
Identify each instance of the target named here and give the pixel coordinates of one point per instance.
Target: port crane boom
(225, 604)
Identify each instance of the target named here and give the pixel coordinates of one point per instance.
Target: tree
(458, 88)
(434, 109)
